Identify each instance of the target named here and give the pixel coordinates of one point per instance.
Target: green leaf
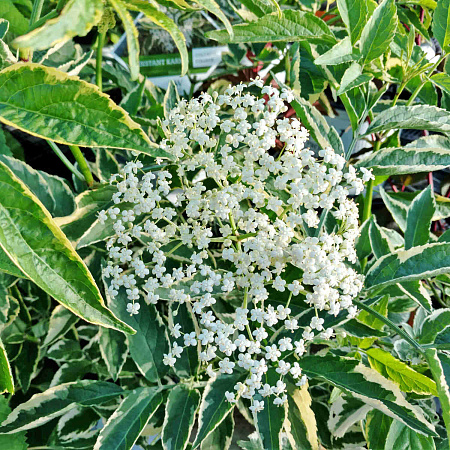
(260, 7)
(416, 291)
(132, 35)
(441, 24)
(354, 14)
(171, 98)
(367, 385)
(41, 251)
(300, 423)
(4, 26)
(214, 406)
(18, 22)
(363, 247)
(114, 350)
(418, 117)
(396, 208)
(47, 103)
(51, 190)
(61, 321)
(379, 31)
(181, 407)
(76, 19)
(6, 378)
(420, 262)
(150, 343)
(45, 406)
(377, 427)
(360, 330)
(26, 364)
(434, 325)
(345, 412)
(352, 78)
(7, 266)
(214, 8)
(162, 20)
(269, 424)
(402, 437)
(418, 219)
(404, 160)
(221, 437)
(439, 364)
(88, 205)
(290, 27)
(187, 364)
(340, 53)
(407, 378)
(378, 240)
(12, 441)
(125, 425)
(324, 134)
(442, 81)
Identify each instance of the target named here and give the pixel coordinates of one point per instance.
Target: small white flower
(133, 308)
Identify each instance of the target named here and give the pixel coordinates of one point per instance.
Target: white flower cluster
(233, 216)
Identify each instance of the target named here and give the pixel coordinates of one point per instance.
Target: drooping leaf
(40, 250)
(45, 406)
(416, 263)
(363, 246)
(441, 24)
(214, 406)
(181, 407)
(29, 101)
(132, 37)
(418, 117)
(76, 19)
(125, 425)
(367, 385)
(407, 378)
(291, 26)
(114, 350)
(379, 31)
(213, 7)
(418, 219)
(162, 20)
(416, 291)
(354, 14)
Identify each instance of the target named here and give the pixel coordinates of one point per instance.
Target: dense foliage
(196, 275)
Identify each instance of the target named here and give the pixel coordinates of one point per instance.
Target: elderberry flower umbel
(244, 216)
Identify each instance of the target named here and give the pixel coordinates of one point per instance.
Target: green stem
(65, 161)
(397, 95)
(367, 211)
(287, 66)
(42, 20)
(19, 297)
(82, 163)
(98, 66)
(36, 11)
(390, 324)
